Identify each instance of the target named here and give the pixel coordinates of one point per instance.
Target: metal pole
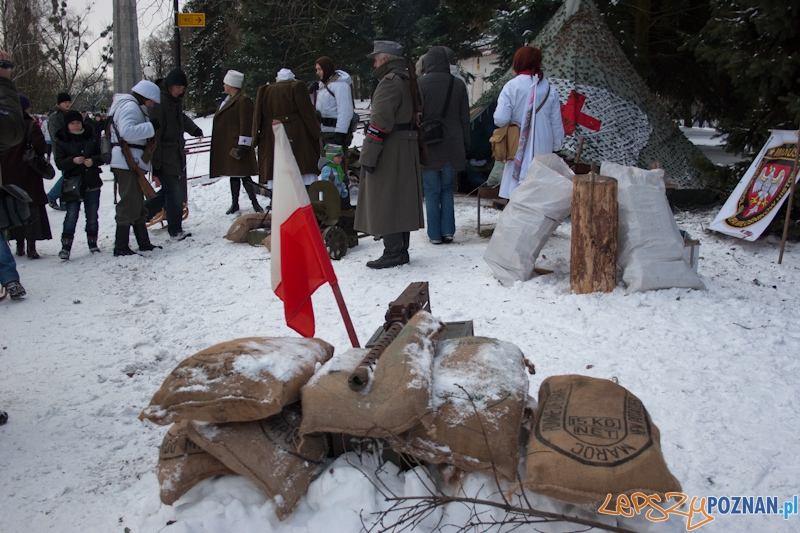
(177, 38)
(791, 198)
(348, 324)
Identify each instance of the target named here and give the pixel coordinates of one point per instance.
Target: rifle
(147, 189)
(414, 298)
(416, 102)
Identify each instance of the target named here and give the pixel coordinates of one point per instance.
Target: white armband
(245, 141)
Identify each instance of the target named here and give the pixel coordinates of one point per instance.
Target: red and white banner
(300, 262)
(762, 190)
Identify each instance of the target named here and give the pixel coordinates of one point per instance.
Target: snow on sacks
(237, 381)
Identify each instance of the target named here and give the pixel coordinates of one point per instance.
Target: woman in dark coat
(78, 154)
(17, 172)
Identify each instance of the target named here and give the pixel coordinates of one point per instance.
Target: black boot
(91, 240)
(143, 238)
(393, 248)
(121, 242)
(66, 246)
(251, 192)
(235, 184)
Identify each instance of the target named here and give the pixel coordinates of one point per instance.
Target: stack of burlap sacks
(460, 403)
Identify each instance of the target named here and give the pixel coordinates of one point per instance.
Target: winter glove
(313, 87)
(156, 124)
(340, 139)
(198, 132)
(241, 151)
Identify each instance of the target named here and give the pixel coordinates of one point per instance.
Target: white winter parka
(132, 124)
(338, 105)
(548, 134)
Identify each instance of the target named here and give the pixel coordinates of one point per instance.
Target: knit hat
(234, 78)
(72, 116)
(326, 64)
(148, 90)
(176, 77)
(25, 101)
(63, 97)
(285, 74)
(333, 150)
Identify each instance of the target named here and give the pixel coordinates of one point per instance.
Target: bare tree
(157, 51)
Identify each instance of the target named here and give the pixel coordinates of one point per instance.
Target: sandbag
(237, 381)
(242, 225)
(492, 373)
(592, 438)
(650, 245)
(534, 211)
(397, 398)
(268, 452)
(182, 464)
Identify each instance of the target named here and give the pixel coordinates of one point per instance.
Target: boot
(20, 247)
(121, 242)
(393, 252)
(235, 184)
(66, 246)
(91, 240)
(143, 238)
(32, 253)
(251, 192)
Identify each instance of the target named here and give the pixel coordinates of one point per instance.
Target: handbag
(37, 162)
(433, 130)
(505, 140)
(15, 208)
(71, 189)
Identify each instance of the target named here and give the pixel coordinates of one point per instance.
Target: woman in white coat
(528, 96)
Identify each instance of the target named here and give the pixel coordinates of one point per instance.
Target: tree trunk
(595, 218)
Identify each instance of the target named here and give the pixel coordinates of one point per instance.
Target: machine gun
(414, 298)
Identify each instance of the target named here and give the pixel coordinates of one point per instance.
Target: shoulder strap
(538, 107)
(449, 93)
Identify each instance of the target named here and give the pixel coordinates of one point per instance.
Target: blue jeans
(8, 267)
(91, 204)
(55, 191)
(439, 202)
(170, 198)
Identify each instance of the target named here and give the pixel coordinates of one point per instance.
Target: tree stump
(595, 219)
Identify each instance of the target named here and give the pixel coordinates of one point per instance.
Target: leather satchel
(505, 142)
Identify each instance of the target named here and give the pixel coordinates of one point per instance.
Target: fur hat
(176, 77)
(63, 97)
(72, 116)
(285, 74)
(148, 90)
(25, 101)
(234, 78)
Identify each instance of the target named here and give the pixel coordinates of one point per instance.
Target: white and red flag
(300, 261)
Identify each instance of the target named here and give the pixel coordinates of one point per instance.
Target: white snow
(84, 352)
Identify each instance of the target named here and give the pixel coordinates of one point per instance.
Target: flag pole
(791, 198)
(348, 324)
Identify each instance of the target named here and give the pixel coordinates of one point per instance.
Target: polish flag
(300, 261)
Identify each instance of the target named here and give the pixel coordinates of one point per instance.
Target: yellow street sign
(191, 20)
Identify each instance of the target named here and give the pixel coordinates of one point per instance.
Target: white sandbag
(650, 247)
(534, 211)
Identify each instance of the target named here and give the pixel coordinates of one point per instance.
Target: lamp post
(149, 71)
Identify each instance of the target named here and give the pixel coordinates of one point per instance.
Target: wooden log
(595, 219)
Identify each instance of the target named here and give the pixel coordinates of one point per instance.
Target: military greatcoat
(390, 198)
(233, 127)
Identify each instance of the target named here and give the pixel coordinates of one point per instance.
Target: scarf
(528, 130)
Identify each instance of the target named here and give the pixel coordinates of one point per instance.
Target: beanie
(176, 77)
(333, 150)
(234, 78)
(72, 116)
(25, 101)
(64, 97)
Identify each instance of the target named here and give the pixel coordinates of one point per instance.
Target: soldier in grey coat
(390, 191)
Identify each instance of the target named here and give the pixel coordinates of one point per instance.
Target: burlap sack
(237, 381)
(238, 230)
(397, 398)
(475, 427)
(592, 437)
(182, 464)
(269, 453)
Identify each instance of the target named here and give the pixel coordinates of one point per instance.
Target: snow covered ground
(84, 352)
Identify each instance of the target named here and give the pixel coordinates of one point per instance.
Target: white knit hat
(149, 90)
(285, 74)
(234, 78)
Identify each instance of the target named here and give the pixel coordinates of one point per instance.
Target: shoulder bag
(37, 162)
(505, 140)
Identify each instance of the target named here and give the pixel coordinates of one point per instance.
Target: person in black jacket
(78, 154)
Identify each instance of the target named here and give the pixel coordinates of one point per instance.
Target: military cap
(386, 47)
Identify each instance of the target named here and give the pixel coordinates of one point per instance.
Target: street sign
(191, 20)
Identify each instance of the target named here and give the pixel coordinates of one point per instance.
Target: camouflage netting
(583, 59)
